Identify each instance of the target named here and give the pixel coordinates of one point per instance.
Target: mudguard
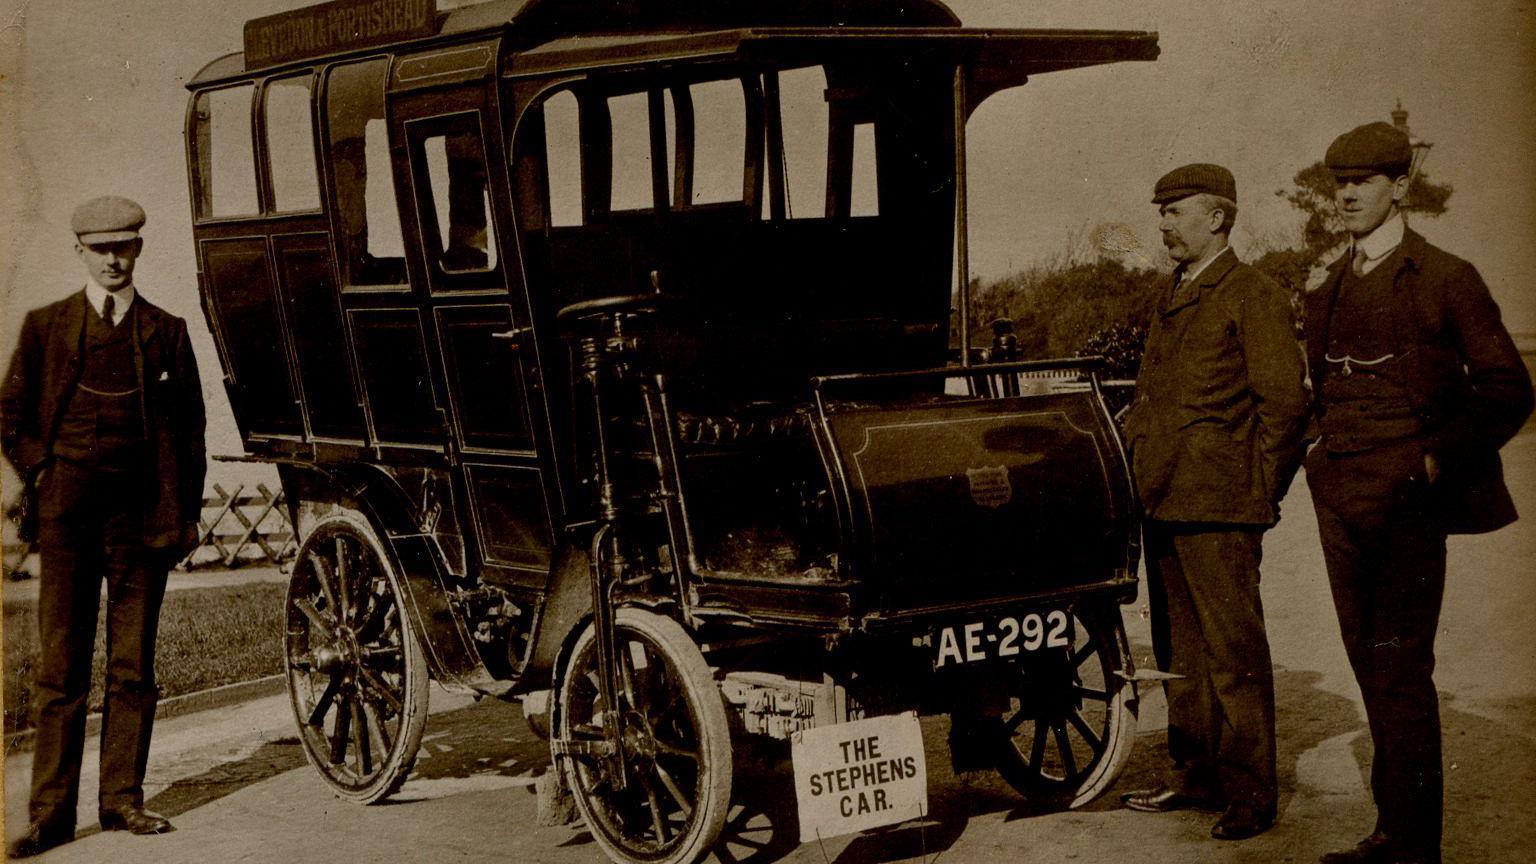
(423, 576)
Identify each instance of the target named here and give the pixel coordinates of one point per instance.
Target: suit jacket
(1215, 429)
(44, 371)
(1469, 386)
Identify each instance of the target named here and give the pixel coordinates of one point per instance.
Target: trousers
(1385, 555)
(91, 531)
(1208, 626)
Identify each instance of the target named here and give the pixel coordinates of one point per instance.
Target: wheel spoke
(1037, 748)
(1013, 723)
(323, 576)
(627, 674)
(323, 705)
(321, 621)
(1090, 693)
(374, 618)
(360, 738)
(1083, 729)
(675, 791)
(342, 579)
(377, 728)
(379, 688)
(657, 820)
(340, 735)
(674, 750)
(1064, 745)
(1083, 653)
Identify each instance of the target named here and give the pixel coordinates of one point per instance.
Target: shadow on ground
(1490, 770)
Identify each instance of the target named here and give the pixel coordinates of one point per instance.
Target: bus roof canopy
(547, 36)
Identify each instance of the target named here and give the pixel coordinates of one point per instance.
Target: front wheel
(1071, 717)
(661, 794)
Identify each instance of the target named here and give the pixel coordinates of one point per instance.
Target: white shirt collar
(1379, 243)
(1190, 275)
(122, 299)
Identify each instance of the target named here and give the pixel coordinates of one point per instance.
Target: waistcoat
(1365, 400)
(103, 425)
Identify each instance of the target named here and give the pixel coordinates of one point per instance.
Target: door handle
(513, 335)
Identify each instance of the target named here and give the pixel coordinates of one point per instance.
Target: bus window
(291, 145)
(226, 159)
(458, 199)
(719, 141)
(370, 244)
(562, 155)
(803, 105)
(630, 118)
(865, 197)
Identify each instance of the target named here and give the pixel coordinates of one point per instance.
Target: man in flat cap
(102, 413)
(1214, 435)
(1417, 384)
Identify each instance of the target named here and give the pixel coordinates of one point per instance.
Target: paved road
(236, 782)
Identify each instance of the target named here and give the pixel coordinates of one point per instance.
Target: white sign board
(859, 775)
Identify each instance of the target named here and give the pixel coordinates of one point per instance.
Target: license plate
(1001, 638)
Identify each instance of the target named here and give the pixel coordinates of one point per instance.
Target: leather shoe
(135, 820)
(1162, 799)
(1241, 821)
(40, 837)
(1378, 849)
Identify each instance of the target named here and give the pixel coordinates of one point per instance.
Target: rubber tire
(707, 708)
(413, 715)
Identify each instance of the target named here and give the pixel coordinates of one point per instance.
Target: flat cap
(1194, 179)
(1375, 148)
(108, 219)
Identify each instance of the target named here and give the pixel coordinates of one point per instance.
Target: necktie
(1359, 263)
(107, 308)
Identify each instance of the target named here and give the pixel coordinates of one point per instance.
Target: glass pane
(866, 186)
(719, 141)
(460, 200)
(373, 251)
(630, 116)
(226, 154)
(562, 143)
(803, 105)
(291, 145)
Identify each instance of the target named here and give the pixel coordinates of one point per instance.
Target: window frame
(202, 163)
(332, 191)
(440, 280)
(267, 189)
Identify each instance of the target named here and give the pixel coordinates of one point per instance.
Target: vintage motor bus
(604, 353)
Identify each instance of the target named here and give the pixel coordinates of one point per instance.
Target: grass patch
(208, 637)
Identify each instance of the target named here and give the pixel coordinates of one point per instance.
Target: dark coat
(1215, 430)
(1470, 388)
(43, 374)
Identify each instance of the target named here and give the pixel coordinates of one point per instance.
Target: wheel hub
(343, 654)
(637, 741)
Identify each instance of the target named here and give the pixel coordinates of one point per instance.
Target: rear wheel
(662, 797)
(1071, 719)
(357, 679)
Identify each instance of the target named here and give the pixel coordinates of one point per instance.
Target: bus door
(468, 310)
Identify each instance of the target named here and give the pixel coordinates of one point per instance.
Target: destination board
(330, 28)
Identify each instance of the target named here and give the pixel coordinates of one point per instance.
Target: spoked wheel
(1071, 719)
(357, 679)
(662, 797)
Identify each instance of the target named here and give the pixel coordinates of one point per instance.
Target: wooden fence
(246, 526)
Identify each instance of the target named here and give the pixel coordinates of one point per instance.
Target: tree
(1313, 192)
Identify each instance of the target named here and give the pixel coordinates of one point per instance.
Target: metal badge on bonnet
(990, 486)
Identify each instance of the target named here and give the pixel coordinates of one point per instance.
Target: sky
(92, 102)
